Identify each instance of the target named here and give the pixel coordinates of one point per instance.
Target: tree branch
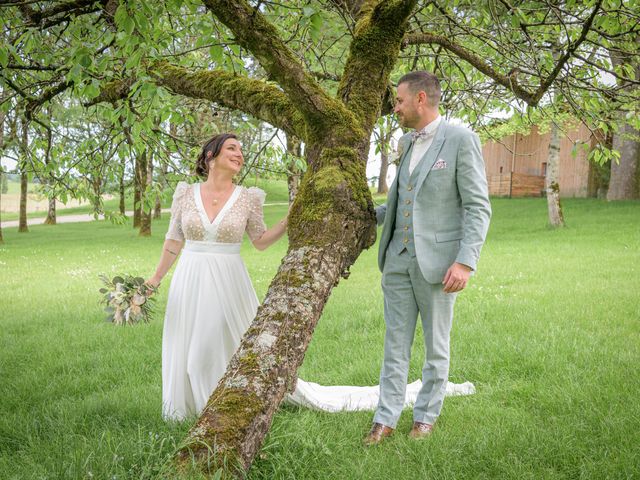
(375, 46)
(508, 81)
(253, 32)
(544, 86)
(255, 97)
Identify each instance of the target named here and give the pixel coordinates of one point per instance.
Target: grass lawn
(276, 192)
(548, 331)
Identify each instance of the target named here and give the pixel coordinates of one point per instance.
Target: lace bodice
(242, 212)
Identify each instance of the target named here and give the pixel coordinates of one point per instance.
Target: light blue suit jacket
(451, 208)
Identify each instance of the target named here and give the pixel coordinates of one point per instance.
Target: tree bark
(384, 168)
(137, 190)
(556, 218)
(294, 147)
(121, 190)
(51, 211)
(146, 170)
(624, 183)
(24, 178)
(3, 176)
(24, 183)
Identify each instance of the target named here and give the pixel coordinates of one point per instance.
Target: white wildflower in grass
(128, 299)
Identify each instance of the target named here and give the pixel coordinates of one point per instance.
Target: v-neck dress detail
(212, 225)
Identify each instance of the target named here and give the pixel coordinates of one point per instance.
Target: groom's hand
(456, 278)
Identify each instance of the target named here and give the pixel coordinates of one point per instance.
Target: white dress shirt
(422, 144)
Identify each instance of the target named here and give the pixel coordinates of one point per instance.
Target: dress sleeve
(255, 222)
(175, 224)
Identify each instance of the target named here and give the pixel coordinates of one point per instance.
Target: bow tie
(422, 134)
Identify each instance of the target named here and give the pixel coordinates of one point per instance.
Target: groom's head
(418, 97)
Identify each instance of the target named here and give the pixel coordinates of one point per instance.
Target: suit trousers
(407, 293)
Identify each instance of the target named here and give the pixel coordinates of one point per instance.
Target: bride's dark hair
(210, 150)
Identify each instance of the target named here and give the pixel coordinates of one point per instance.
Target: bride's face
(230, 157)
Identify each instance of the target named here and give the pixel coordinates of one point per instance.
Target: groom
(435, 222)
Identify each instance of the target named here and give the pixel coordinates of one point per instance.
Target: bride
(211, 300)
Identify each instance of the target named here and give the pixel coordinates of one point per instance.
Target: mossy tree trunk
(552, 185)
(294, 148)
(331, 219)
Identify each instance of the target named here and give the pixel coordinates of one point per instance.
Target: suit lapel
(430, 156)
(392, 197)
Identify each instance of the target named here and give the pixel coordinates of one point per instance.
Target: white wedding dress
(212, 302)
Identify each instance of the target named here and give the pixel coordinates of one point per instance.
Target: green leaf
(121, 14)
(4, 57)
(217, 54)
(315, 29)
(84, 60)
(128, 25)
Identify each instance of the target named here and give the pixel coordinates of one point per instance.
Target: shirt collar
(428, 130)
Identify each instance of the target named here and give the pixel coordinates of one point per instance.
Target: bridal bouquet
(128, 299)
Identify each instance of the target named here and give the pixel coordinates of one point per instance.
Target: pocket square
(439, 165)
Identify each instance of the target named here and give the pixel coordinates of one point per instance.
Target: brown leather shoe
(420, 430)
(378, 433)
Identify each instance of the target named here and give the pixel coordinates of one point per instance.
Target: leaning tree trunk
(552, 186)
(146, 167)
(294, 147)
(330, 222)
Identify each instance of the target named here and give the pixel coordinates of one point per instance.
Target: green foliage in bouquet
(128, 299)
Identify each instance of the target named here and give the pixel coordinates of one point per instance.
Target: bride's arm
(170, 251)
(272, 235)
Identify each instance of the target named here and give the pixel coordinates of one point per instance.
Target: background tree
(383, 134)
